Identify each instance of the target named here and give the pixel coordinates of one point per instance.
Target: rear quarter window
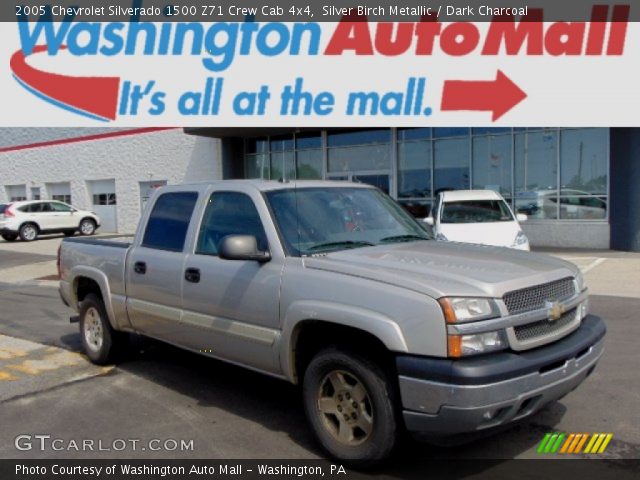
(169, 221)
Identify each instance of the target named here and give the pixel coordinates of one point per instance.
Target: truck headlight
(463, 345)
(441, 238)
(465, 309)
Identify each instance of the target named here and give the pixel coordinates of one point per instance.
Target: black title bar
(323, 11)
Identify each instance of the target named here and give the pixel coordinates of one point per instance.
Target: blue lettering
(225, 51)
(282, 39)
(113, 36)
(53, 39)
(73, 40)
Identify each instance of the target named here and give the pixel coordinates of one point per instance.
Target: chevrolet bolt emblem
(554, 310)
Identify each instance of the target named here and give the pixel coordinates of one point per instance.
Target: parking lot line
(28, 367)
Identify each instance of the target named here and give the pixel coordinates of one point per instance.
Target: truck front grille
(542, 329)
(534, 298)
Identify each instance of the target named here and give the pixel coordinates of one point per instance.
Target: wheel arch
(30, 222)
(310, 326)
(86, 280)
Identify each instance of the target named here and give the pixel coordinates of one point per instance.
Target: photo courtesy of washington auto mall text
(319, 240)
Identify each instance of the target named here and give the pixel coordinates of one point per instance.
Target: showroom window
(291, 157)
(583, 174)
(362, 150)
(451, 164)
(546, 173)
(491, 163)
(415, 170)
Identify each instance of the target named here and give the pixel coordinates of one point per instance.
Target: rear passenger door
(155, 266)
(231, 309)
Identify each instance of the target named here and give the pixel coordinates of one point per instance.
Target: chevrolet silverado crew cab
(333, 286)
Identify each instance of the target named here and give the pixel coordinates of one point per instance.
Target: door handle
(140, 267)
(192, 275)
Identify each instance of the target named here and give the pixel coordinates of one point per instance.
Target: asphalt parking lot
(160, 392)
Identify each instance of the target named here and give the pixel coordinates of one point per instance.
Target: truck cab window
(229, 213)
(169, 221)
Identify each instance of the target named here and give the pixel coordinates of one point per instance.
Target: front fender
(374, 323)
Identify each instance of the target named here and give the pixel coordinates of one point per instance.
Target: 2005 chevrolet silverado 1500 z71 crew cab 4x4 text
(333, 286)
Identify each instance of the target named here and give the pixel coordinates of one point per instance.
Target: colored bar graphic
(556, 445)
(572, 443)
(605, 442)
(547, 448)
(567, 443)
(543, 443)
(593, 439)
(582, 442)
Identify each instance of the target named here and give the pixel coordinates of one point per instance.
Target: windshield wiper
(338, 245)
(402, 238)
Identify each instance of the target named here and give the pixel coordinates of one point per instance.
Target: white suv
(29, 219)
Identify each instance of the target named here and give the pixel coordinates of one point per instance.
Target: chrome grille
(534, 298)
(544, 328)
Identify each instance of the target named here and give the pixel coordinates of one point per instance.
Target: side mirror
(429, 220)
(241, 247)
(521, 217)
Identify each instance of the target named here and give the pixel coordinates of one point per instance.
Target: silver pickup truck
(333, 286)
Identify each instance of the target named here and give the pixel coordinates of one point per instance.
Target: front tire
(101, 342)
(10, 237)
(350, 403)
(28, 232)
(87, 227)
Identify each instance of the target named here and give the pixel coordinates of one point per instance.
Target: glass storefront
(547, 173)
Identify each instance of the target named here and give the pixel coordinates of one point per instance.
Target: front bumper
(444, 397)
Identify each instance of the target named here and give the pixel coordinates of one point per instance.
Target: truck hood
(442, 269)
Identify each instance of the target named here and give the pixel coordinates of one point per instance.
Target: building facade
(111, 172)
(580, 187)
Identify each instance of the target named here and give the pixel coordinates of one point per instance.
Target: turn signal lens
(463, 345)
(454, 346)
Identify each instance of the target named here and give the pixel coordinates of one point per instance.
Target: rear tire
(10, 237)
(350, 403)
(28, 232)
(101, 342)
(87, 227)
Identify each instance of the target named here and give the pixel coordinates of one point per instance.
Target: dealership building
(580, 187)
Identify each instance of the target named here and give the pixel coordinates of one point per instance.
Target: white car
(477, 216)
(29, 219)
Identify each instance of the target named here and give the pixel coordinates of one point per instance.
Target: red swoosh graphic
(95, 95)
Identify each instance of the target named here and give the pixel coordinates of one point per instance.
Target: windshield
(319, 220)
(476, 211)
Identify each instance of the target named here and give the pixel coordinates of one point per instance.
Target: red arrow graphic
(95, 96)
(498, 96)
